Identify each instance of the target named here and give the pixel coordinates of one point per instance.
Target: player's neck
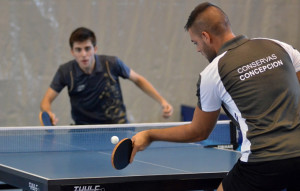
(227, 37)
(89, 69)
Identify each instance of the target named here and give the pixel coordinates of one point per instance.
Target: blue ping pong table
(78, 158)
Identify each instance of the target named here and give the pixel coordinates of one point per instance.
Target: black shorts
(264, 176)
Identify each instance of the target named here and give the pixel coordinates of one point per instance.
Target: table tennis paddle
(121, 154)
(45, 119)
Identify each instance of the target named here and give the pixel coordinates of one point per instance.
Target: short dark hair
(194, 14)
(216, 25)
(82, 34)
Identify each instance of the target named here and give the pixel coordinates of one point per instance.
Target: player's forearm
(45, 106)
(183, 133)
(149, 89)
(47, 100)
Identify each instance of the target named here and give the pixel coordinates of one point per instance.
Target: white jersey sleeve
(210, 88)
(293, 53)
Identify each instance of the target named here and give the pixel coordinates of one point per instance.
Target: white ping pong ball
(114, 140)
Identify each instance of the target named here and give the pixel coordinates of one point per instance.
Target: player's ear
(95, 49)
(206, 37)
(72, 51)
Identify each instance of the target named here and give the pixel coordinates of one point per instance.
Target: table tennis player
(93, 84)
(257, 82)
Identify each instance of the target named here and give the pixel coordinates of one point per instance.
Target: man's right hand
(140, 142)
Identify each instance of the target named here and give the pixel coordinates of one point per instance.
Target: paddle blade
(121, 154)
(45, 119)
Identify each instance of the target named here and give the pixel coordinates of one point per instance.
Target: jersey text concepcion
(259, 66)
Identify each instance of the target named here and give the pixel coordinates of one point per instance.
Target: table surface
(80, 159)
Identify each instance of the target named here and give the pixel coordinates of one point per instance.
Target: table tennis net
(96, 137)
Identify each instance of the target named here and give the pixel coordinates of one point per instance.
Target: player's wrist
(151, 135)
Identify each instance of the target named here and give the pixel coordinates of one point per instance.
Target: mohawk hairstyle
(198, 10)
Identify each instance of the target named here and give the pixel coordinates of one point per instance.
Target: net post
(233, 135)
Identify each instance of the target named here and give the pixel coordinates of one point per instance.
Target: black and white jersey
(255, 80)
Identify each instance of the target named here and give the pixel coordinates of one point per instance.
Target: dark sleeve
(122, 69)
(58, 82)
